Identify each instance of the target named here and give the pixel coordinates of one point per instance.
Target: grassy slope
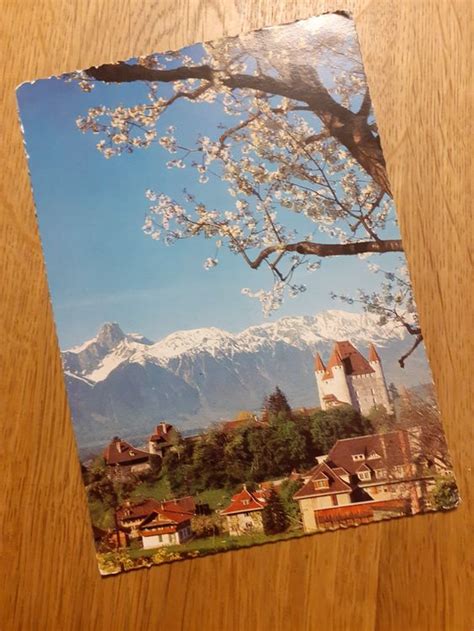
(218, 544)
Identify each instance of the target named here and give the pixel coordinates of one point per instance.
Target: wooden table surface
(411, 574)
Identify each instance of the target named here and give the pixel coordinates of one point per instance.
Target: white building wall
(158, 541)
(310, 504)
(337, 386)
(382, 390)
(364, 388)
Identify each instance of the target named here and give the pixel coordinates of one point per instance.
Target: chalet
(124, 458)
(377, 471)
(164, 527)
(130, 516)
(244, 513)
(164, 437)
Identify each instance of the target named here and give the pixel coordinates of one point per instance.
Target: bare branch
(417, 342)
(330, 249)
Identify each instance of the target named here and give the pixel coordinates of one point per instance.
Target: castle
(351, 379)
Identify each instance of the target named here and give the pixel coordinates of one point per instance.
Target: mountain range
(123, 384)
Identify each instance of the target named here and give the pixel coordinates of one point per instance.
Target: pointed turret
(335, 359)
(319, 364)
(373, 355)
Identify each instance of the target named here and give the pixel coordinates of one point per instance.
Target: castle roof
(122, 453)
(373, 355)
(318, 363)
(346, 355)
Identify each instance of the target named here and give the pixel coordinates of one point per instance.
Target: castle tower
(349, 378)
(381, 394)
(333, 388)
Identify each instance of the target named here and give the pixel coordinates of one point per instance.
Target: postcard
(241, 347)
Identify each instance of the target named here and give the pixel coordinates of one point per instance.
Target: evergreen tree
(273, 515)
(275, 404)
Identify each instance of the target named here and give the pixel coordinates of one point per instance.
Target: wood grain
(408, 574)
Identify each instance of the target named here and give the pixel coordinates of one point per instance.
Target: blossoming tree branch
(297, 137)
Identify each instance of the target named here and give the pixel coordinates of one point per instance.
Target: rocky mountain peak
(110, 334)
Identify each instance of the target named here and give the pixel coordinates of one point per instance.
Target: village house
(163, 437)
(364, 479)
(244, 513)
(349, 378)
(157, 522)
(131, 515)
(165, 528)
(122, 458)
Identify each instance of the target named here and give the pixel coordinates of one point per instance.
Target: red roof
(247, 501)
(122, 453)
(160, 518)
(318, 363)
(230, 426)
(393, 449)
(346, 355)
(373, 355)
(141, 510)
(341, 513)
(359, 510)
(335, 484)
(137, 510)
(161, 432)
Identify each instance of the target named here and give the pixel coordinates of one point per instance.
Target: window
(399, 471)
(321, 484)
(373, 455)
(381, 473)
(357, 457)
(160, 538)
(364, 475)
(245, 502)
(334, 500)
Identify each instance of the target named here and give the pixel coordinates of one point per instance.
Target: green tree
(288, 446)
(380, 419)
(104, 491)
(287, 489)
(260, 447)
(237, 458)
(275, 404)
(174, 468)
(156, 463)
(328, 426)
(273, 515)
(97, 470)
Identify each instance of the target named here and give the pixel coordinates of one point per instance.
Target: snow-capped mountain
(124, 383)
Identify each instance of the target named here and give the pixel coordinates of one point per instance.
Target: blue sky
(100, 265)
